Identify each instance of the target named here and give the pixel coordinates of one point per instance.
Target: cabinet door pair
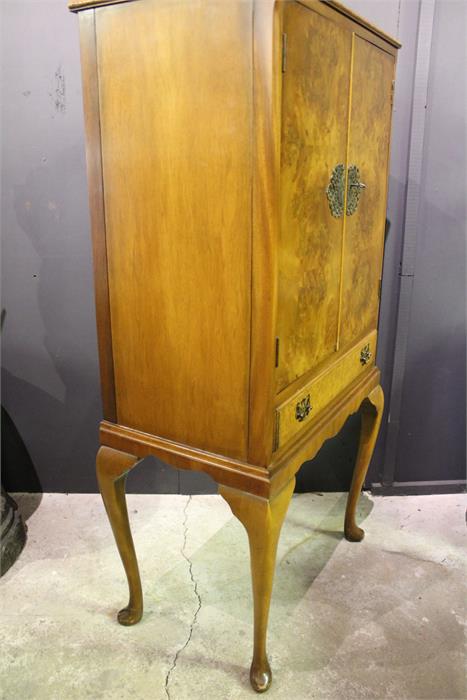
(336, 115)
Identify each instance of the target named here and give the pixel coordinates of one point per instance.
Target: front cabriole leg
(372, 412)
(262, 519)
(112, 467)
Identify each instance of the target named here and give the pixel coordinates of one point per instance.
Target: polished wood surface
(372, 76)
(315, 108)
(307, 442)
(262, 520)
(176, 115)
(372, 413)
(112, 468)
(226, 292)
(224, 470)
(96, 210)
(323, 389)
(242, 475)
(353, 23)
(79, 5)
(356, 19)
(267, 89)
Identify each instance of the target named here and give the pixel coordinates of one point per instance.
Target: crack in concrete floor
(196, 592)
(348, 620)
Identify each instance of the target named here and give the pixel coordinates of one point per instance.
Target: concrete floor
(379, 619)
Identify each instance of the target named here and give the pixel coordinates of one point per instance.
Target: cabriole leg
(372, 412)
(112, 468)
(262, 520)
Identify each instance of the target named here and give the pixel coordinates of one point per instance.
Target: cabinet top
(77, 5)
(362, 21)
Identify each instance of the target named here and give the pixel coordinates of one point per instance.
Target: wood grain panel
(314, 118)
(175, 100)
(390, 42)
(325, 387)
(96, 210)
(328, 423)
(370, 121)
(267, 80)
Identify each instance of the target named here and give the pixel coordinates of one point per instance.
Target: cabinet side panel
(314, 135)
(96, 206)
(267, 58)
(175, 101)
(369, 132)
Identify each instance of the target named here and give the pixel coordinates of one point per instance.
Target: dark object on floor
(13, 533)
(18, 471)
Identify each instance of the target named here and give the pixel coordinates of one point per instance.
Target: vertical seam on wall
(411, 225)
(398, 19)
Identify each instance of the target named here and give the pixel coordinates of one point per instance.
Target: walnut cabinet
(238, 163)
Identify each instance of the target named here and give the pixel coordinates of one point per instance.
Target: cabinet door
(369, 131)
(315, 99)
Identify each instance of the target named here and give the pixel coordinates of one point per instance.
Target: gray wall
(50, 376)
(430, 445)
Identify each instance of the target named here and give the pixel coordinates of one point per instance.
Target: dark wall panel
(433, 415)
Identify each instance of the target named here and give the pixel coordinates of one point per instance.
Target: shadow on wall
(59, 411)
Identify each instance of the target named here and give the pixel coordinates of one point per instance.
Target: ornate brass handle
(303, 408)
(336, 187)
(335, 191)
(354, 187)
(366, 354)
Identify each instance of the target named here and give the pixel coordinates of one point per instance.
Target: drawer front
(292, 415)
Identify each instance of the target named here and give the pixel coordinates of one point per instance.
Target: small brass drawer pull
(365, 355)
(303, 408)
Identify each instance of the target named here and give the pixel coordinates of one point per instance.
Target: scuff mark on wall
(398, 19)
(58, 93)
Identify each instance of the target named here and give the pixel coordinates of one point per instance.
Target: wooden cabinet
(237, 163)
(336, 115)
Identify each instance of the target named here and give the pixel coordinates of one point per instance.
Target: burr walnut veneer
(237, 161)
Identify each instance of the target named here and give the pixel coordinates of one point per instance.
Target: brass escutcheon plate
(335, 191)
(354, 187)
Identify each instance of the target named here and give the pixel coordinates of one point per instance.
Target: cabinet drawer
(292, 415)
